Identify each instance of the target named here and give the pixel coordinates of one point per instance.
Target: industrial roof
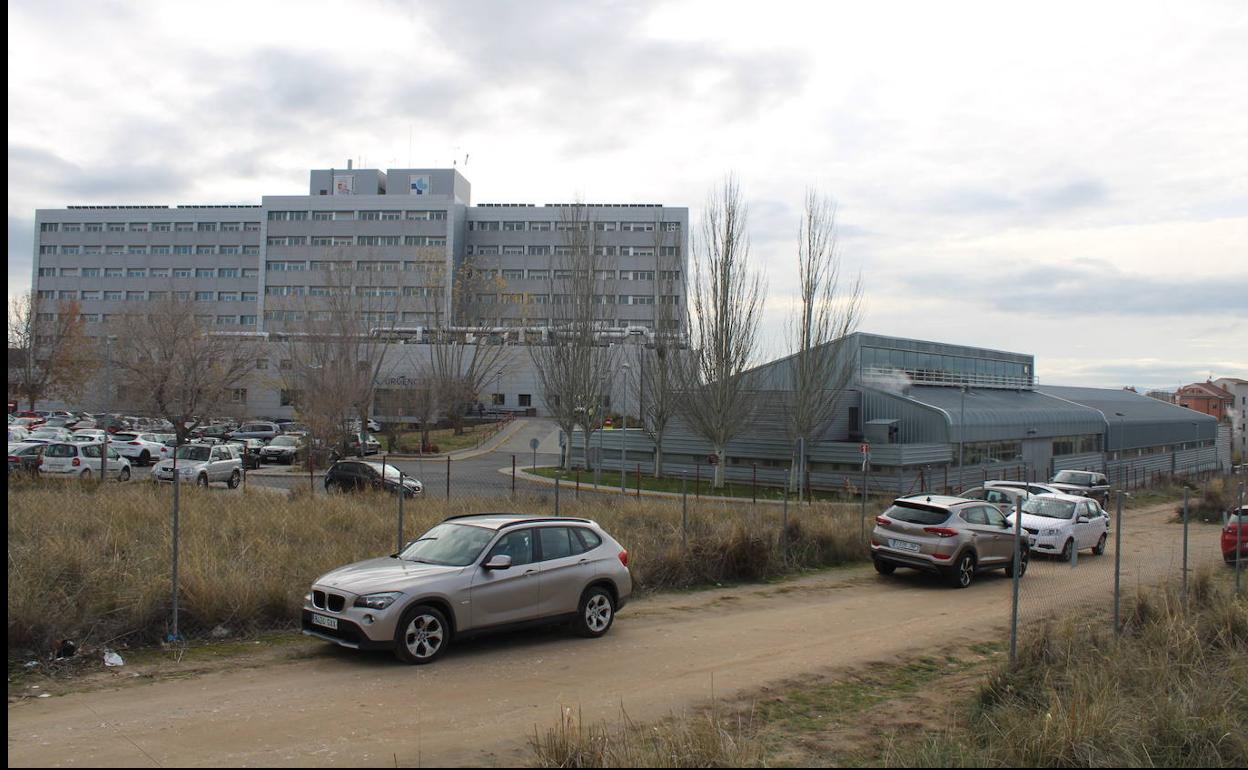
(993, 414)
(1143, 422)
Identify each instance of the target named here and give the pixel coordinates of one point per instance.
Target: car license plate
(903, 545)
(321, 620)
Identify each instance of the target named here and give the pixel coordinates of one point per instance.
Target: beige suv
(471, 574)
(951, 536)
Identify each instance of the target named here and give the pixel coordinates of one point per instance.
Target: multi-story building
(1206, 398)
(1238, 388)
(408, 243)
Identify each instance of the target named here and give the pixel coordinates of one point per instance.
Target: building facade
(1238, 411)
(408, 245)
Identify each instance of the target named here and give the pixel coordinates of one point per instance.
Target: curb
(533, 478)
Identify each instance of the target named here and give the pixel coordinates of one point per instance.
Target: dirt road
(477, 705)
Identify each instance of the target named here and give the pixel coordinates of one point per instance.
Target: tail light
(624, 557)
(941, 531)
(14, 459)
(883, 522)
(76, 462)
(135, 443)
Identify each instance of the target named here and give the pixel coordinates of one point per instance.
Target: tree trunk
(658, 456)
(584, 447)
(718, 482)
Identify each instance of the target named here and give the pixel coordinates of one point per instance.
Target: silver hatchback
(470, 574)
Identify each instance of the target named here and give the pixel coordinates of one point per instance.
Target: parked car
(203, 465)
(1086, 483)
(141, 448)
(471, 574)
(25, 458)
(82, 461)
(1007, 495)
(265, 431)
(371, 445)
(1061, 524)
(51, 434)
(17, 434)
(283, 449)
(950, 536)
(1231, 534)
(59, 422)
(219, 432)
(353, 475)
(372, 425)
(249, 451)
(29, 423)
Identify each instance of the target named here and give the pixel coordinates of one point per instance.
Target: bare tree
(662, 360)
(49, 352)
(574, 365)
(718, 394)
(170, 363)
(826, 313)
(464, 359)
(335, 347)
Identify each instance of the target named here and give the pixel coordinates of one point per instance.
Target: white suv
(1061, 524)
(203, 464)
(142, 448)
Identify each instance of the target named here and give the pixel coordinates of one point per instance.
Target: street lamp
(624, 428)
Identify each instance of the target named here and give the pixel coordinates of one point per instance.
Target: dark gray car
(265, 431)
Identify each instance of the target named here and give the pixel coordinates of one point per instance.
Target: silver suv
(471, 574)
(951, 536)
(203, 464)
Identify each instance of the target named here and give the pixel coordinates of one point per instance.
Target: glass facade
(938, 367)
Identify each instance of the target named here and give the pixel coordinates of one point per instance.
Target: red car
(1231, 532)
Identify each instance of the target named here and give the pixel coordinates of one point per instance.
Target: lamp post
(624, 430)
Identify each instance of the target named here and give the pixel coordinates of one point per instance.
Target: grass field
(1172, 691)
(93, 564)
(408, 442)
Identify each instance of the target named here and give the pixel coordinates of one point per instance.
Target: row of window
(73, 251)
(567, 251)
(919, 364)
(360, 291)
(428, 318)
(1076, 445)
(357, 240)
(146, 227)
(567, 299)
(205, 319)
(566, 275)
(150, 272)
(530, 226)
(149, 296)
(356, 216)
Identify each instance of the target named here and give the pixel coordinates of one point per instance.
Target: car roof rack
(527, 518)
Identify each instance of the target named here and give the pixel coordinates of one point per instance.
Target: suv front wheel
(422, 635)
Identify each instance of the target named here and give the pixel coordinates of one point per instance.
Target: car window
(556, 543)
(92, 450)
(588, 538)
(61, 450)
(974, 515)
(518, 545)
(219, 454)
(916, 513)
(997, 497)
(974, 494)
(995, 519)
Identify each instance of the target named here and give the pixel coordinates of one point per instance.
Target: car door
(509, 595)
(219, 464)
(1004, 532)
(565, 570)
(975, 519)
(1089, 530)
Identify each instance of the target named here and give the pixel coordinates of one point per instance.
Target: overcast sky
(1068, 180)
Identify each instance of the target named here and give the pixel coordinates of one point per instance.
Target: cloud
(1059, 198)
(1086, 289)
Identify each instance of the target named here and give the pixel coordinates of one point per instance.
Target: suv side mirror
(498, 561)
(1083, 519)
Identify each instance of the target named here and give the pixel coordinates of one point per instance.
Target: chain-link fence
(1086, 561)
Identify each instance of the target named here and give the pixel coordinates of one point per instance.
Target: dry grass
(93, 564)
(1171, 692)
(702, 740)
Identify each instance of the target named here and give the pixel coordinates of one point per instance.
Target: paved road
(477, 705)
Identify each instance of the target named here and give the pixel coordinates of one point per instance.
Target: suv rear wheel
(422, 635)
(1023, 557)
(235, 478)
(202, 480)
(884, 568)
(964, 571)
(595, 613)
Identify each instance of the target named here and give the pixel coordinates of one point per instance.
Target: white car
(96, 433)
(142, 448)
(1061, 524)
(17, 435)
(82, 461)
(50, 434)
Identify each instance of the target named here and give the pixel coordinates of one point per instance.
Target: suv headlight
(377, 601)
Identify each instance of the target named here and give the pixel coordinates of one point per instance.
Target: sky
(1067, 179)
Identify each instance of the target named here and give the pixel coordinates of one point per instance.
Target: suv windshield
(916, 514)
(199, 453)
(452, 545)
(1081, 478)
(1049, 508)
(283, 441)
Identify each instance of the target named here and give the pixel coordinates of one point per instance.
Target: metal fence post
(784, 528)
(697, 482)
(1016, 578)
(448, 477)
(577, 493)
(402, 494)
(557, 475)
(639, 479)
(862, 516)
(1185, 518)
(1118, 565)
(754, 483)
(684, 510)
(1239, 537)
(513, 476)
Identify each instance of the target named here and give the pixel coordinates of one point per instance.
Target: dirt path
(477, 705)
